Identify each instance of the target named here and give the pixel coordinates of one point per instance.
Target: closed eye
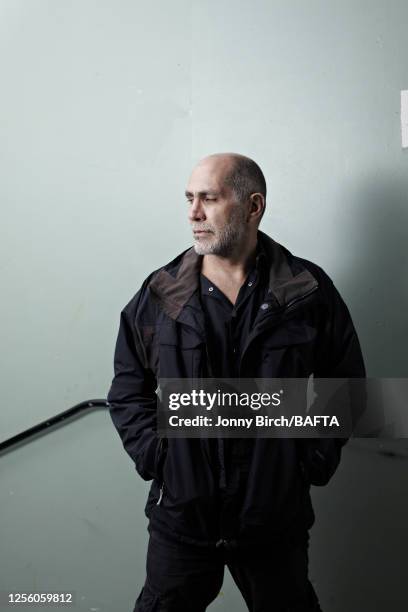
(189, 201)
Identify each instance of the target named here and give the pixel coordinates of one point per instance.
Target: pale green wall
(104, 108)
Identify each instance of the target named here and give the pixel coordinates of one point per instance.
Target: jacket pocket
(289, 333)
(186, 496)
(180, 352)
(320, 459)
(159, 466)
(161, 454)
(288, 348)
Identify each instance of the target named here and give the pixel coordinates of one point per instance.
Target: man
(236, 304)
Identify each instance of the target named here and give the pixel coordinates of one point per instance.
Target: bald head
(238, 172)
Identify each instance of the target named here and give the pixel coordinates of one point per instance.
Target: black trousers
(186, 578)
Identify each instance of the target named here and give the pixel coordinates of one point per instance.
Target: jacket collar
(175, 284)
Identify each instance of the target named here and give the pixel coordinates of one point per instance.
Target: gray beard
(225, 245)
(228, 240)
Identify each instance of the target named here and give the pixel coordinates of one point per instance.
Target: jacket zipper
(161, 495)
(301, 297)
(159, 457)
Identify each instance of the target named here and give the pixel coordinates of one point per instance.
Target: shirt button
(250, 284)
(264, 306)
(210, 288)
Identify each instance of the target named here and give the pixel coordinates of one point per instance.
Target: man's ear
(257, 205)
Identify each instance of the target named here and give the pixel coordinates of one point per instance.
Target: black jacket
(306, 329)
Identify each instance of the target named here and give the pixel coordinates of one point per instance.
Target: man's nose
(196, 211)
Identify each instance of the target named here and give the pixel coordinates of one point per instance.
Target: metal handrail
(44, 426)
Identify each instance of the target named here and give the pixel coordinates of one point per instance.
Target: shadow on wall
(378, 278)
(360, 541)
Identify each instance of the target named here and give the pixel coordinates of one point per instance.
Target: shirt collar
(261, 263)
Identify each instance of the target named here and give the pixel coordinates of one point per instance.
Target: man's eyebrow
(201, 193)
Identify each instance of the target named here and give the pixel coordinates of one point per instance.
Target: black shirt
(228, 325)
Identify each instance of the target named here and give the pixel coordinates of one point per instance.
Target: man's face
(218, 221)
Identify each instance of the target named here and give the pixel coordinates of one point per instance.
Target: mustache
(202, 228)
